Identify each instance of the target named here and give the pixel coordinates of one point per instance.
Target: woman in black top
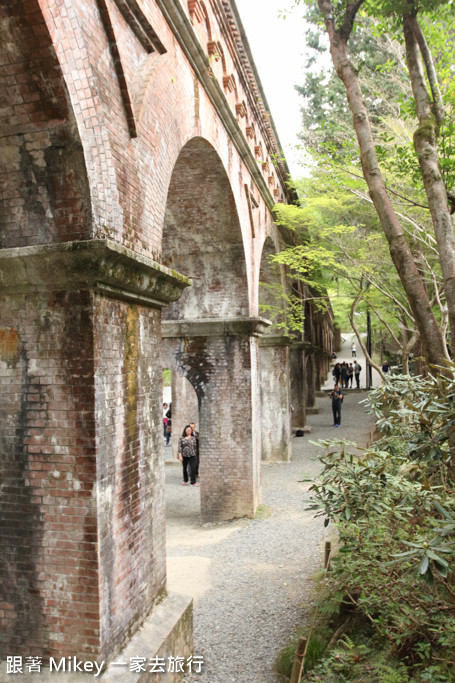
(187, 455)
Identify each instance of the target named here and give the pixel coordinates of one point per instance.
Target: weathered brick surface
(49, 559)
(43, 180)
(128, 390)
(298, 387)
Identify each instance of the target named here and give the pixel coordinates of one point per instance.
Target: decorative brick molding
(195, 10)
(240, 110)
(229, 83)
(101, 265)
(250, 132)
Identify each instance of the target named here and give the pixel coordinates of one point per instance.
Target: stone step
(313, 410)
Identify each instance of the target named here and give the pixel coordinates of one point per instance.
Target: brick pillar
(310, 380)
(298, 384)
(220, 358)
(275, 398)
(82, 511)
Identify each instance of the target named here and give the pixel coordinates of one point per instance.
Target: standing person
(196, 434)
(169, 424)
(386, 368)
(350, 375)
(354, 350)
(166, 438)
(357, 371)
(337, 373)
(187, 455)
(337, 398)
(344, 375)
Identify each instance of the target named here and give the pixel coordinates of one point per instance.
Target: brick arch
(46, 193)
(202, 238)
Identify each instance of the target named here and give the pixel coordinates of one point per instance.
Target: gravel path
(252, 579)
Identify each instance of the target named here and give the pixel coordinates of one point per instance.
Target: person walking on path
(350, 376)
(196, 434)
(337, 398)
(168, 424)
(166, 435)
(354, 350)
(187, 455)
(357, 371)
(337, 373)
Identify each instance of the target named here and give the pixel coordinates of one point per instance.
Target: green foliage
(394, 507)
(326, 116)
(388, 8)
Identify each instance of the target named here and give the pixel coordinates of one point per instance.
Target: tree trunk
(407, 348)
(399, 249)
(426, 147)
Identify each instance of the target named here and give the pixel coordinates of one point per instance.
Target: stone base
(313, 410)
(168, 632)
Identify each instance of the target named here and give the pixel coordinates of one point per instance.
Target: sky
(278, 48)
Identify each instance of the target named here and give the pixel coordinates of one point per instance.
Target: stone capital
(215, 327)
(100, 265)
(275, 340)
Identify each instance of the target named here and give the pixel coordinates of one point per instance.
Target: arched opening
(206, 333)
(45, 195)
(202, 237)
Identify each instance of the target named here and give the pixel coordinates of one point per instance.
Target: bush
(394, 507)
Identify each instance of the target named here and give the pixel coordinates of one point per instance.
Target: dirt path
(251, 580)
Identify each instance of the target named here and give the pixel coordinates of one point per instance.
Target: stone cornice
(303, 345)
(275, 340)
(215, 327)
(100, 265)
(182, 28)
(234, 27)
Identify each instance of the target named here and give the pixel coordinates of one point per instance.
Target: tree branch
(349, 17)
(425, 51)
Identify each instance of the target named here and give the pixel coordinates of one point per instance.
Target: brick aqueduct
(139, 169)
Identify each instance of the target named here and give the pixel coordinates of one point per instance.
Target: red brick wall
(130, 499)
(49, 560)
(45, 195)
(202, 237)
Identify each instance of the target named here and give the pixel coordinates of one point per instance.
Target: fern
(390, 674)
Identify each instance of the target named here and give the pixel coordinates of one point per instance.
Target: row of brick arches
(135, 227)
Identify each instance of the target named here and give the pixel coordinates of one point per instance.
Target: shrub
(394, 507)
